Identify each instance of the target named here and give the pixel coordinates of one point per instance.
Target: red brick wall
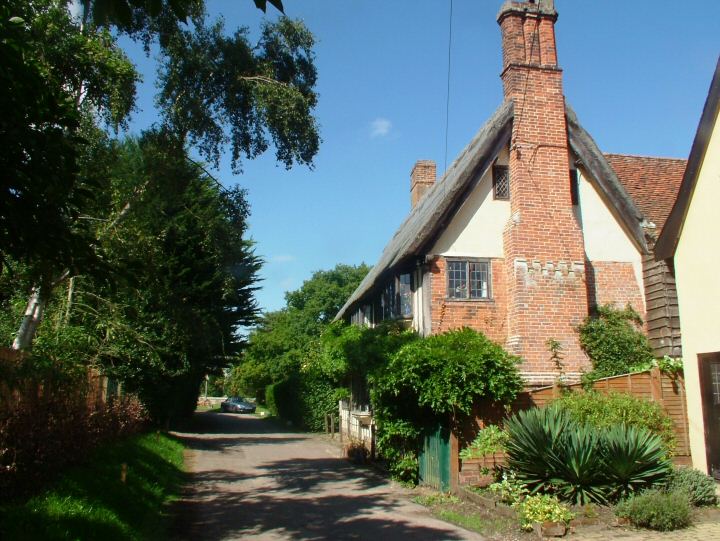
(422, 177)
(487, 316)
(543, 243)
(611, 282)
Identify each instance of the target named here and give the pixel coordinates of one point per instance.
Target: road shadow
(343, 516)
(304, 475)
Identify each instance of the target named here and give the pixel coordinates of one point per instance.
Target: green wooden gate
(435, 459)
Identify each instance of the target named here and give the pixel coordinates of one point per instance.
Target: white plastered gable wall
(605, 238)
(697, 260)
(476, 229)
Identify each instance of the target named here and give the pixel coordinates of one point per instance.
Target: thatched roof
(440, 202)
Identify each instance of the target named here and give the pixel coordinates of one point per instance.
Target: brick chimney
(544, 248)
(422, 178)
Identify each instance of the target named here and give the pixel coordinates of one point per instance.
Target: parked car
(237, 404)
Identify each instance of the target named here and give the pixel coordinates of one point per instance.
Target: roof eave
(606, 180)
(670, 236)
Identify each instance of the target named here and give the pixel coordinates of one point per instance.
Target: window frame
(496, 169)
(467, 262)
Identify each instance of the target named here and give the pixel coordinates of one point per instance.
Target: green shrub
(304, 399)
(698, 487)
(430, 379)
(550, 452)
(656, 510)
(613, 341)
(448, 372)
(604, 410)
(491, 439)
(543, 508)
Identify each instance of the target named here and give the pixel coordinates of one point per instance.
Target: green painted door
(435, 459)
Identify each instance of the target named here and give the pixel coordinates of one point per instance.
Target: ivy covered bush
(447, 373)
(604, 410)
(417, 382)
(614, 342)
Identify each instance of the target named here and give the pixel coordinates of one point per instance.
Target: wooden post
(327, 427)
(332, 426)
(655, 385)
(454, 458)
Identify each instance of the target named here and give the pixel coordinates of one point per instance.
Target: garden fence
(668, 390)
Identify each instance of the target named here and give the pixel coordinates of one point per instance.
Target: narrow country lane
(250, 480)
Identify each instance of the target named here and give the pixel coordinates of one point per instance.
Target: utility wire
(447, 101)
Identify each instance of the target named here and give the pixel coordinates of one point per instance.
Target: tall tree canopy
(284, 339)
(150, 250)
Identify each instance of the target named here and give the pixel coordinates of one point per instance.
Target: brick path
(704, 531)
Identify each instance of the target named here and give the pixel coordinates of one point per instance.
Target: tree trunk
(31, 320)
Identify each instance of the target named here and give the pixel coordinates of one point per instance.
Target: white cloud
(282, 258)
(380, 127)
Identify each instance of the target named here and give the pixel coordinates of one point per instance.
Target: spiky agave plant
(577, 465)
(534, 438)
(634, 459)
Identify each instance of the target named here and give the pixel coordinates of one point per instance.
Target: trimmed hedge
(303, 399)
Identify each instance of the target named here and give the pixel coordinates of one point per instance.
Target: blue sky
(637, 74)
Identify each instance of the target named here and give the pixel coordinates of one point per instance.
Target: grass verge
(452, 509)
(91, 502)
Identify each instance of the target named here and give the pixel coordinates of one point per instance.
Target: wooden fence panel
(653, 385)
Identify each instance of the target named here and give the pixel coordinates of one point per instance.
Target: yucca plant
(534, 439)
(577, 464)
(635, 459)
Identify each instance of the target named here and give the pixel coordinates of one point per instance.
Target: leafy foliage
(552, 453)
(416, 382)
(699, 487)
(209, 79)
(614, 343)
(656, 510)
(41, 432)
(284, 350)
(489, 440)
(543, 508)
(447, 373)
(605, 410)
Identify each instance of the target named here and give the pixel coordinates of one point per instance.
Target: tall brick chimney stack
(544, 248)
(422, 178)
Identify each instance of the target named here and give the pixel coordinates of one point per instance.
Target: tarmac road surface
(251, 480)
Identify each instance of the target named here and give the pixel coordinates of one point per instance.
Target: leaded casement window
(501, 182)
(405, 301)
(468, 279)
(396, 298)
(388, 301)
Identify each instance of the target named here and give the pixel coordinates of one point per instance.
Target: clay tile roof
(653, 183)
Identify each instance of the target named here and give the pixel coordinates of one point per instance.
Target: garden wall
(668, 390)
